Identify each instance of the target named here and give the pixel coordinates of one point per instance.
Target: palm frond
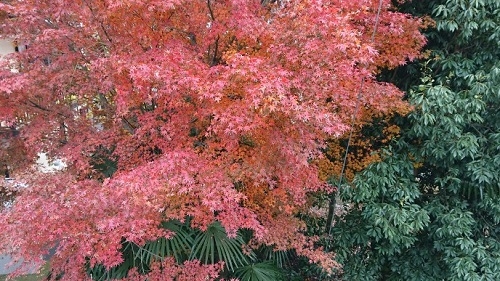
(263, 271)
(213, 245)
(279, 258)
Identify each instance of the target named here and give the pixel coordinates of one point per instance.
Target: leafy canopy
(429, 210)
(163, 110)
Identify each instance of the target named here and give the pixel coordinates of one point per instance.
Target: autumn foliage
(213, 110)
(372, 129)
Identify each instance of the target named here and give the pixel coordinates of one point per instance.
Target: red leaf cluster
(210, 109)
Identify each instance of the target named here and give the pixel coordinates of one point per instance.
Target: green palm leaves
(259, 272)
(209, 247)
(213, 245)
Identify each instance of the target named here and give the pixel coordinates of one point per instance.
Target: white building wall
(6, 47)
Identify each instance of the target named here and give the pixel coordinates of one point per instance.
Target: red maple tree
(212, 110)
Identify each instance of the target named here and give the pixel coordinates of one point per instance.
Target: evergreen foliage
(430, 209)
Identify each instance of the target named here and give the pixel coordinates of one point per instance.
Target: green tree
(430, 209)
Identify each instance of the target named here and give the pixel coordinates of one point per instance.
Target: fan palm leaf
(213, 245)
(263, 271)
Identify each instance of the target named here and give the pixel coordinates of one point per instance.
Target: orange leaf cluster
(371, 130)
(216, 110)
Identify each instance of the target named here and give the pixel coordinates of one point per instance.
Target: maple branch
(135, 13)
(100, 21)
(216, 50)
(63, 133)
(105, 32)
(36, 105)
(210, 10)
(128, 125)
(50, 23)
(39, 106)
(76, 50)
